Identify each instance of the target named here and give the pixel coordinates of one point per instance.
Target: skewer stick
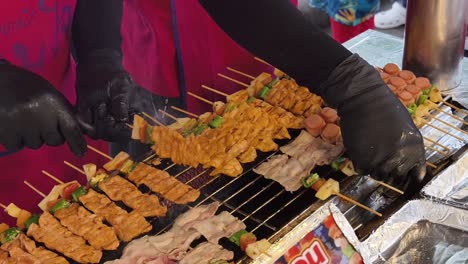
(34, 189)
(448, 124)
(241, 73)
(57, 180)
(455, 107)
(200, 98)
(233, 80)
(130, 126)
(3, 206)
(99, 152)
(431, 164)
(389, 187)
(262, 61)
(444, 131)
(214, 90)
(184, 112)
(436, 150)
(169, 115)
(74, 167)
(153, 119)
(346, 198)
(452, 115)
(436, 143)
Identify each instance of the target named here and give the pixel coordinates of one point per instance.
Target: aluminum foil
(451, 185)
(310, 223)
(420, 232)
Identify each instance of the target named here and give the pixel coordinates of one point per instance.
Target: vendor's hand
(378, 132)
(33, 113)
(103, 88)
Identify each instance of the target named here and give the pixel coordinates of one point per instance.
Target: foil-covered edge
(394, 228)
(310, 223)
(443, 184)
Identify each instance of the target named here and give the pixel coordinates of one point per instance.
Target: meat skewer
(126, 225)
(119, 189)
(49, 231)
(171, 188)
(16, 247)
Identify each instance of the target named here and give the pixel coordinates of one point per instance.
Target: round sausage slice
(329, 114)
(414, 90)
(423, 83)
(331, 133)
(406, 98)
(397, 82)
(314, 124)
(408, 76)
(392, 69)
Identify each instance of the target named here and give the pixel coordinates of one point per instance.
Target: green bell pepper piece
(149, 133)
(236, 237)
(62, 204)
(229, 107)
(78, 193)
(308, 181)
(216, 122)
(251, 99)
(9, 235)
(337, 163)
(264, 92)
(34, 219)
(199, 129)
(422, 98)
(272, 83)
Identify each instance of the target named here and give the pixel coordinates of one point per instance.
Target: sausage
(314, 124)
(398, 82)
(392, 69)
(385, 76)
(406, 98)
(331, 133)
(423, 83)
(414, 90)
(329, 115)
(408, 76)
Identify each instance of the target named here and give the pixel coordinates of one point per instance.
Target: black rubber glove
(103, 87)
(33, 113)
(378, 132)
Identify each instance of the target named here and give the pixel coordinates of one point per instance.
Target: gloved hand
(33, 113)
(378, 132)
(102, 88)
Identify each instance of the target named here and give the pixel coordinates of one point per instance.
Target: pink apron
(35, 35)
(172, 47)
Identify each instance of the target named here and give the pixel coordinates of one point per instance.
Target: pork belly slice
(206, 252)
(218, 226)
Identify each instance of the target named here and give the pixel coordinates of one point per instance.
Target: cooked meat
(161, 182)
(89, 226)
(54, 236)
(205, 253)
(126, 225)
(23, 250)
(219, 226)
(196, 214)
(120, 189)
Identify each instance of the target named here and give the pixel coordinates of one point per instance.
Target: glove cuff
(353, 77)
